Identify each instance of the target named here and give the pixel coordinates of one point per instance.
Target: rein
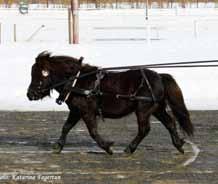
(190, 64)
(71, 79)
(166, 65)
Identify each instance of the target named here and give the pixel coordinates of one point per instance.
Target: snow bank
(198, 84)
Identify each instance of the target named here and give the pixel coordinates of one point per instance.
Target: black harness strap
(134, 97)
(148, 85)
(97, 92)
(139, 87)
(81, 92)
(140, 98)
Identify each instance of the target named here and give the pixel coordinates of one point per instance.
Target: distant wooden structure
(73, 22)
(0, 33)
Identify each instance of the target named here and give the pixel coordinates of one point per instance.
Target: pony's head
(40, 81)
(48, 70)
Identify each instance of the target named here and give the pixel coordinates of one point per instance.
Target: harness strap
(139, 87)
(134, 97)
(73, 85)
(148, 85)
(98, 93)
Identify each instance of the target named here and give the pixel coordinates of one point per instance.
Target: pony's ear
(43, 60)
(81, 59)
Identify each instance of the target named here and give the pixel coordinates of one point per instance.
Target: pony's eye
(45, 73)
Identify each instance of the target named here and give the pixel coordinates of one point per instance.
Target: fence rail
(113, 3)
(50, 27)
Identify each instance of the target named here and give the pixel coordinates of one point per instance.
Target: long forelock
(54, 62)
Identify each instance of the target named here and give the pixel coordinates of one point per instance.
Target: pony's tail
(176, 102)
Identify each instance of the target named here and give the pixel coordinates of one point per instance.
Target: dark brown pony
(50, 70)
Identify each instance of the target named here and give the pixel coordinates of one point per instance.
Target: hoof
(181, 150)
(58, 101)
(179, 145)
(57, 148)
(108, 148)
(110, 144)
(128, 150)
(109, 151)
(182, 142)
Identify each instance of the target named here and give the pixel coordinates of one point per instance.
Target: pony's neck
(87, 68)
(60, 87)
(58, 78)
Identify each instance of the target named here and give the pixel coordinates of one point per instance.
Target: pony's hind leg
(143, 113)
(91, 123)
(72, 120)
(169, 123)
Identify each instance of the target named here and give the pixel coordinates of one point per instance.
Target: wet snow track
(26, 139)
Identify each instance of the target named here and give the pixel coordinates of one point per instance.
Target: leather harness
(96, 91)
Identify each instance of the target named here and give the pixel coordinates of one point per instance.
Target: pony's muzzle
(32, 95)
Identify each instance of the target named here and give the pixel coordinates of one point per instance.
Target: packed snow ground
(111, 38)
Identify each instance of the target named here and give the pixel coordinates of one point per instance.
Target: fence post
(148, 28)
(15, 33)
(75, 21)
(70, 27)
(176, 10)
(146, 10)
(0, 33)
(195, 29)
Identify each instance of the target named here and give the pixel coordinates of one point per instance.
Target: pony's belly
(117, 108)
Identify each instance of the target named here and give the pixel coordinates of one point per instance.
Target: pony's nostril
(30, 94)
(33, 94)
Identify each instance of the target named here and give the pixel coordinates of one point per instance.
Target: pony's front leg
(73, 118)
(91, 123)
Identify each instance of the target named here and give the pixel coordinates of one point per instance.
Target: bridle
(73, 78)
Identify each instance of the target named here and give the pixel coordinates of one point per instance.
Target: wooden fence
(113, 3)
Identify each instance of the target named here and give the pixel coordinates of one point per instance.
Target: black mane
(66, 60)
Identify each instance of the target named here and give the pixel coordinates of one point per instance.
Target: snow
(111, 38)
